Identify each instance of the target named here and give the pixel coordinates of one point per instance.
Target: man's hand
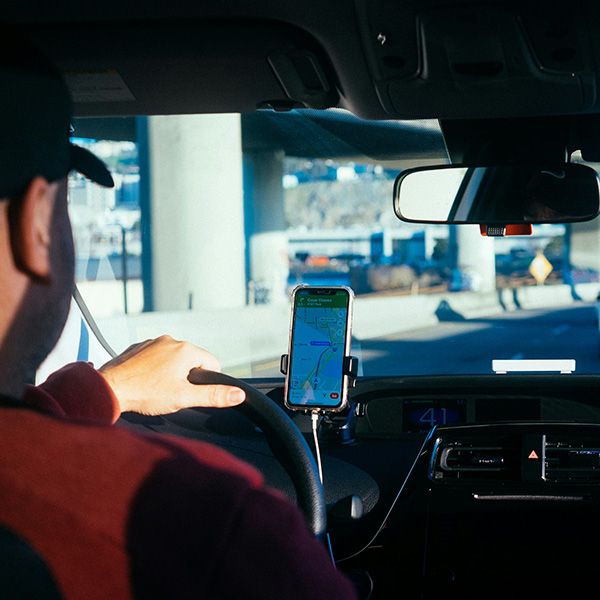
(151, 378)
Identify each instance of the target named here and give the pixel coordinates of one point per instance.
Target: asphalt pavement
(469, 346)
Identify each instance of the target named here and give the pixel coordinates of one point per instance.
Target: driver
(114, 514)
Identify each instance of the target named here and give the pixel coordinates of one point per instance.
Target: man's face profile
(55, 294)
(42, 311)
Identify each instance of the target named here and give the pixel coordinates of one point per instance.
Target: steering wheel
(286, 442)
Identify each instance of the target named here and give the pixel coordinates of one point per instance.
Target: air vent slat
(475, 461)
(571, 459)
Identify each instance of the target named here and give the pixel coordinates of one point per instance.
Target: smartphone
(319, 342)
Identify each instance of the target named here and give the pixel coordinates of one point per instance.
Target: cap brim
(91, 166)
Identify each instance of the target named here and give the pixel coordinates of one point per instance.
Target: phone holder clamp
(335, 428)
(350, 367)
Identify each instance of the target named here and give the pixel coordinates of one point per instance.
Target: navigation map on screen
(318, 338)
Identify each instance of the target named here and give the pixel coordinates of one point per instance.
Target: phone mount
(350, 367)
(336, 427)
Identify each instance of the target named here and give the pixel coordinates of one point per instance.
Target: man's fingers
(207, 361)
(149, 378)
(214, 396)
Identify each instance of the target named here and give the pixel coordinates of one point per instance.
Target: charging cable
(314, 418)
(396, 499)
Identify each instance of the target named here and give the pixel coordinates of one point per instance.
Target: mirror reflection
(498, 194)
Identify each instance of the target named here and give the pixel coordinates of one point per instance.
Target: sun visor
(190, 66)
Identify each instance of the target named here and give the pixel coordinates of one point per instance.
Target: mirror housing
(498, 194)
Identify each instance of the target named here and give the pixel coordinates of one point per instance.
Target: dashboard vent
(462, 460)
(571, 459)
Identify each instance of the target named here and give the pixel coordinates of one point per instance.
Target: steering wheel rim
(286, 442)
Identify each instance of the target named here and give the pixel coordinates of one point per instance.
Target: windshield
(216, 218)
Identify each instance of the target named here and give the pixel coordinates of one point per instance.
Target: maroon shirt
(117, 514)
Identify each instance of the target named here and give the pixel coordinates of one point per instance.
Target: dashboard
(483, 484)
(398, 407)
(465, 482)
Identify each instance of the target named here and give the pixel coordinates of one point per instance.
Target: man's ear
(31, 226)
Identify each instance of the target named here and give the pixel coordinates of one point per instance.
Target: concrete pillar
(266, 226)
(430, 241)
(197, 210)
(585, 245)
(475, 257)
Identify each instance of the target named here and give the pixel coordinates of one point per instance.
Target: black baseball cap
(35, 121)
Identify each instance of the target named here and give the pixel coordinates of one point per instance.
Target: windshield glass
(215, 218)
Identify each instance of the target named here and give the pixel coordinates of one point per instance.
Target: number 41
(429, 417)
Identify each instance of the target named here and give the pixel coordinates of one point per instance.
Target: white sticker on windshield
(501, 367)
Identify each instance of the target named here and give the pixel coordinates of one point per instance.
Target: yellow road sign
(540, 267)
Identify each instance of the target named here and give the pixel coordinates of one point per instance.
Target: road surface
(468, 347)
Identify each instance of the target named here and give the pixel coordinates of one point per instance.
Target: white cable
(398, 495)
(314, 417)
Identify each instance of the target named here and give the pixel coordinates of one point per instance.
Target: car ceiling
(380, 59)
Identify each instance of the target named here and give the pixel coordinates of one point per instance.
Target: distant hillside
(341, 204)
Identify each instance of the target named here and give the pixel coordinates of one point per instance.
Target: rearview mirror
(502, 194)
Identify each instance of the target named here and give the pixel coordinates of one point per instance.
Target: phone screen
(319, 343)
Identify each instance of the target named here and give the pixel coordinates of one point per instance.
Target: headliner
(436, 60)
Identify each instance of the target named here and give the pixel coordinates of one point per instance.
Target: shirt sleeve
(274, 550)
(76, 391)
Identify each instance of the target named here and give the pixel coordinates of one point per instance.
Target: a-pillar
(475, 257)
(266, 226)
(197, 212)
